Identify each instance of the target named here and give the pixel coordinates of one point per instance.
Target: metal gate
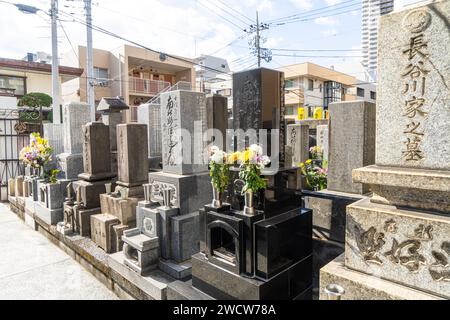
(14, 135)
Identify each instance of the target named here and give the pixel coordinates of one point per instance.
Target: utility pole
(89, 63)
(258, 46)
(55, 65)
(257, 40)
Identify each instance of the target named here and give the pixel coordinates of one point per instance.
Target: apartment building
(371, 12)
(19, 77)
(133, 73)
(309, 85)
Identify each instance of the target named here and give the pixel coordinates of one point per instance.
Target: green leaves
(35, 100)
(219, 173)
(251, 174)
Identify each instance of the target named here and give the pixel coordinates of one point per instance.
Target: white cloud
(332, 2)
(303, 4)
(326, 21)
(329, 33)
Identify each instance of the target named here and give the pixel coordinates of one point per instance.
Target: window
(360, 92)
(332, 93)
(101, 76)
(289, 84)
(373, 95)
(289, 110)
(14, 83)
(310, 85)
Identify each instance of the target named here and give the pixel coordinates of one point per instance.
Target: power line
(315, 50)
(230, 14)
(334, 6)
(70, 42)
(239, 13)
(304, 56)
(221, 16)
(102, 30)
(229, 44)
(314, 17)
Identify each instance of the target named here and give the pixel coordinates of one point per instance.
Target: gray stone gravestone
(400, 234)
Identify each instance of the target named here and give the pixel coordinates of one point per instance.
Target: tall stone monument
(120, 206)
(96, 179)
(167, 221)
(258, 103)
(397, 242)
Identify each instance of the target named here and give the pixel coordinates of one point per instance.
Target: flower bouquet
(37, 153)
(316, 177)
(219, 170)
(252, 162)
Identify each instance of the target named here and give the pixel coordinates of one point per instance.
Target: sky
(190, 28)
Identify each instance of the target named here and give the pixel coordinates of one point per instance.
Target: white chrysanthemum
(213, 149)
(257, 149)
(265, 160)
(217, 157)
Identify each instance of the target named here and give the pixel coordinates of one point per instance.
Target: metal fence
(14, 135)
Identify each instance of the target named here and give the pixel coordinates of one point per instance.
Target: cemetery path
(31, 267)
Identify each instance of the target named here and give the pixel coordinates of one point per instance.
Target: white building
(371, 11)
(39, 56)
(210, 70)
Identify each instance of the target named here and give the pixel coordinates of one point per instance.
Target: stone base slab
(180, 290)
(405, 246)
(91, 191)
(225, 285)
(176, 270)
(360, 286)
(153, 284)
(329, 212)
(407, 187)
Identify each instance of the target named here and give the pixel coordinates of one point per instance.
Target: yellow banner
(318, 113)
(301, 113)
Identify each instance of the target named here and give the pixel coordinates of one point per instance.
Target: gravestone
(217, 117)
(132, 173)
(401, 233)
(150, 114)
(70, 162)
(352, 143)
(49, 206)
(322, 140)
(96, 179)
(173, 195)
(298, 142)
(183, 113)
(258, 103)
(111, 110)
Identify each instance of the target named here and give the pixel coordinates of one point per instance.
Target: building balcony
(146, 87)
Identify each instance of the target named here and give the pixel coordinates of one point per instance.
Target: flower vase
(217, 196)
(249, 203)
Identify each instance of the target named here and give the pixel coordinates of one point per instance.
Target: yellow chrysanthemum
(232, 158)
(309, 161)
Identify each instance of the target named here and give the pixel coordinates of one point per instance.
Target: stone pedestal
(102, 230)
(123, 209)
(49, 207)
(90, 192)
(19, 186)
(141, 252)
(190, 192)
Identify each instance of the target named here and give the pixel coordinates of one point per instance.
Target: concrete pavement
(31, 267)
